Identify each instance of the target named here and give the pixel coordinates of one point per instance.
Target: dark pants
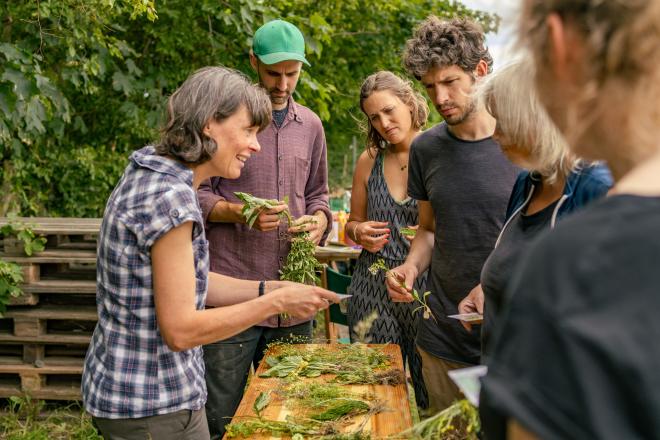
(179, 425)
(228, 365)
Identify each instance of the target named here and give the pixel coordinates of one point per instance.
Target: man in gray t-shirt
(462, 182)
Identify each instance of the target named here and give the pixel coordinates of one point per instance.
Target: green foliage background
(83, 82)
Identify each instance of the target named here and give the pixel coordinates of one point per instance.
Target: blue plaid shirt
(129, 370)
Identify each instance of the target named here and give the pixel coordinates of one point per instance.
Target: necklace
(402, 167)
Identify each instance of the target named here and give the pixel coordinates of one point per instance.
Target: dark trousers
(179, 425)
(228, 365)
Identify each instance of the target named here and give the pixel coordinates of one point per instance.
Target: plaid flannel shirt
(129, 370)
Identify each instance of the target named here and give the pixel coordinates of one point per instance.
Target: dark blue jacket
(582, 186)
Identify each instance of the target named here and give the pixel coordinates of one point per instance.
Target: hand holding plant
(263, 214)
(418, 297)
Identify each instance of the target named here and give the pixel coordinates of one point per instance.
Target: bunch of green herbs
(460, 421)
(301, 265)
(253, 206)
(351, 364)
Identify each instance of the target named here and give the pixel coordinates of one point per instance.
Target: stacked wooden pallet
(45, 332)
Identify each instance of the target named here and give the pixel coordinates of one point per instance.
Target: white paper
(468, 317)
(467, 380)
(343, 296)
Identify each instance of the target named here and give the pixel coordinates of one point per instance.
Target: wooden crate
(395, 419)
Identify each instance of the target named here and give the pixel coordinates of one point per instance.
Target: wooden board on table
(395, 418)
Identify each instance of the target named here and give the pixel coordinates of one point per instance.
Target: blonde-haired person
(576, 355)
(380, 208)
(554, 184)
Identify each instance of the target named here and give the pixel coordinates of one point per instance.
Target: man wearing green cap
(292, 163)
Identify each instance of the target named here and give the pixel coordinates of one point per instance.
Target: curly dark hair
(444, 43)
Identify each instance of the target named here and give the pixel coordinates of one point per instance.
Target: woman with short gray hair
(554, 184)
(144, 372)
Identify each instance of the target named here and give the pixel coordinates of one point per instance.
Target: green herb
(261, 402)
(11, 276)
(351, 364)
(24, 233)
(460, 421)
(301, 263)
(379, 265)
(253, 206)
(408, 232)
(343, 408)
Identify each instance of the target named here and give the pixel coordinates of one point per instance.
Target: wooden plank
(29, 327)
(58, 225)
(60, 286)
(54, 256)
(393, 420)
(46, 393)
(73, 367)
(26, 299)
(31, 272)
(81, 313)
(83, 339)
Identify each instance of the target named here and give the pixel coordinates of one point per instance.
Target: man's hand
(371, 235)
(269, 219)
(472, 303)
(404, 274)
(314, 224)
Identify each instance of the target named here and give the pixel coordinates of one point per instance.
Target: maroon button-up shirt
(293, 163)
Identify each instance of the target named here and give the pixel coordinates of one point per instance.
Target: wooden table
(394, 419)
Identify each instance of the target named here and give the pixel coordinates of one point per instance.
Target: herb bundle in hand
(301, 264)
(254, 205)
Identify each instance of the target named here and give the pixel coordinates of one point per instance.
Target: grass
(23, 418)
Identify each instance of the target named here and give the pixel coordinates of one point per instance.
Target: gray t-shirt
(468, 185)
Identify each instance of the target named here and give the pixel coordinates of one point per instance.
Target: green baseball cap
(278, 41)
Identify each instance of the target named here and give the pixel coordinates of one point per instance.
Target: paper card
(473, 318)
(343, 296)
(467, 380)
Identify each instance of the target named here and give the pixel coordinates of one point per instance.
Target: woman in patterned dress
(380, 208)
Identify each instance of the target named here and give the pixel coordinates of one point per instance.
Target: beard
(463, 114)
(278, 100)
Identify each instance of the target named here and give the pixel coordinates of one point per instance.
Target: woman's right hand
(371, 235)
(302, 301)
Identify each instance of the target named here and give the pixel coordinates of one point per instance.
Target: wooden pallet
(49, 321)
(60, 233)
(395, 419)
(49, 381)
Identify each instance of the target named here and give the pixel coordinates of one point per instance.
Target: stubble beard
(458, 119)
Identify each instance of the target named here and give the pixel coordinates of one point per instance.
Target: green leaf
(261, 402)
(122, 83)
(24, 87)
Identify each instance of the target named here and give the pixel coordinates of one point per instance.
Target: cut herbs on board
(312, 388)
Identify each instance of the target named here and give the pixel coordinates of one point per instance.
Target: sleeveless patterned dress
(396, 322)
